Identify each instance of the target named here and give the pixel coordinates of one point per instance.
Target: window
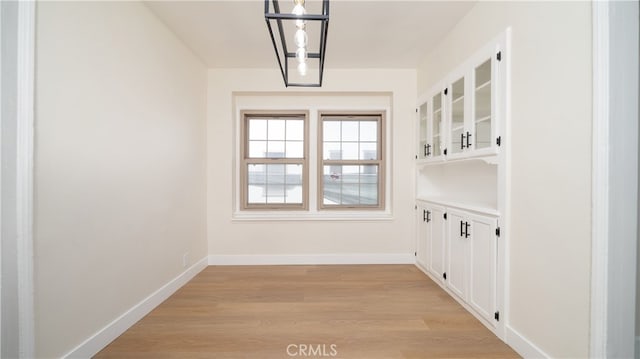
(274, 161)
(351, 164)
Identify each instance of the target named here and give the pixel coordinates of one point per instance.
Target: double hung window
(351, 166)
(274, 161)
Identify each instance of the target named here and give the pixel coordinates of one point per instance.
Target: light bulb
(299, 10)
(300, 38)
(301, 54)
(302, 68)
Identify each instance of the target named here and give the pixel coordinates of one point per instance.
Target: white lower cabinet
(431, 239)
(457, 254)
(459, 249)
(483, 261)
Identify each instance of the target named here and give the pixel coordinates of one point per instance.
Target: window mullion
(351, 162)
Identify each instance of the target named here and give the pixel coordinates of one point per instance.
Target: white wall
(120, 165)
(550, 143)
(308, 237)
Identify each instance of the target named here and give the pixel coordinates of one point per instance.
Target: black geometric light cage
(283, 24)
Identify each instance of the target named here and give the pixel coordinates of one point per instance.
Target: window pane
(350, 185)
(257, 149)
(349, 150)
(295, 130)
(256, 194)
(369, 185)
(332, 180)
(275, 183)
(257, 181)
(331, 130)
(368, 151)
(350, 195)
(257, 129)
(294, 174)
(257, 174)
(295, 149)
(275, 129)
(293, 184)
(350, 130)
(369, 131)
(275, 149)
(350, 174)
(331, 151)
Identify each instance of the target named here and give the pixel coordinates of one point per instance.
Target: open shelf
(469, 184)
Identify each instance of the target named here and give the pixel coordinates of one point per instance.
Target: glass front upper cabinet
(431, 128)
(483, 118)
(459, 135)
(424, 145)
(460, 119)
(437, 125)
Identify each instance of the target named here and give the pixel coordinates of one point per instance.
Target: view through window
(352, 161)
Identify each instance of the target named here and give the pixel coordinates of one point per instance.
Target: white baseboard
(522, 345)
(106, 335)
(310, 259)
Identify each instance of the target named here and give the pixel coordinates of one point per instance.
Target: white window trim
(313, 214)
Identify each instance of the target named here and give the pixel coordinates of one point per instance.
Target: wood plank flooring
(361, 311)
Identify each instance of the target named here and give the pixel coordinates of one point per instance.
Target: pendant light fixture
(299, 39)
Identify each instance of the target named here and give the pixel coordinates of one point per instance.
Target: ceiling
(362, 34)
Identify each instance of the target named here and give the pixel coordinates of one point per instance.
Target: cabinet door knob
(461, 228)
(468, 140)
(462, 141)
(466, 230)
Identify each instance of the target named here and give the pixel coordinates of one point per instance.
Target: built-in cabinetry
(459, 116)
(461, 182)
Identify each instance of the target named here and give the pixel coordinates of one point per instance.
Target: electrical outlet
(185, 259)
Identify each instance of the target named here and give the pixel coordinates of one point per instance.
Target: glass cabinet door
(424, 149)
(482, 114)
(436, 118)
(458, 135)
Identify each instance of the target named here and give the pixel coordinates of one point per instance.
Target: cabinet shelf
(482, 119)
(483, 85)
(457, 99)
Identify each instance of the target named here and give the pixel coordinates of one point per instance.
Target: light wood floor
(365, 311)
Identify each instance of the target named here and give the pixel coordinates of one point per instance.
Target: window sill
(355, 216)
